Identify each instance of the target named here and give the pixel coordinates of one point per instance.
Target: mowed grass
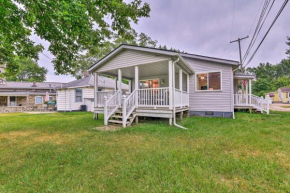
(63, 152)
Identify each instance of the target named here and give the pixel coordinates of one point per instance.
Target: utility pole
(239, 41)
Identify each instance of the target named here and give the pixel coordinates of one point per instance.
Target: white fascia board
(224, 61)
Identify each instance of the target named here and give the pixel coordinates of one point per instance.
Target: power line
(256, 16)
(246, 55)
(277, 16)
(233, 18)
(231, 27)
(46, 56)
(266, 3)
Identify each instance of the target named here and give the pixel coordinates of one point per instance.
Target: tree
(261, 86)
(86, 61)
(26, 70)
(280, 82)
(71, 27)
(270, 77)
(288, 43)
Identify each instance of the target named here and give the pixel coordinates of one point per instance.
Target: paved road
(280, 107)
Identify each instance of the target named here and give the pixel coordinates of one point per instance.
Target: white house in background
(70, 96)
(165, 83)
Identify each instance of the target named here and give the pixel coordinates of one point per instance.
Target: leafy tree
(280, 82)
(26, 70)
(288, 43)
(270, 77)
(71, 27)
(261, 86)
(95, 54)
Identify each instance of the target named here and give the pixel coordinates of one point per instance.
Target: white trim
(41, 100)
(207, 72)
(164, 52)
(170, 77)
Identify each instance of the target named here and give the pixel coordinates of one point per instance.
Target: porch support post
(136, 84)
(180, 86)
(180, 79)
(247, 96)
(120, 84)
(8, 101)
(130, 86)
(96, 87)
(187, 77)
(250, 91)
(170, 68)
(27, 100)
(115, 83)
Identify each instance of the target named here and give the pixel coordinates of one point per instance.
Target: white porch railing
(129, 105)
(101, 95)
(153, 97)
(259, 103)
(111, 105)
(181, 98)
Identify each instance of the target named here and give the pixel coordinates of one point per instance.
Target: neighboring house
(282, 95)
(25, 94)
(72, 95)
(166, 82)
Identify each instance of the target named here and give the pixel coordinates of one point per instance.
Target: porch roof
(122, 47)
(163, 52)
(11, 93)
(244, 76)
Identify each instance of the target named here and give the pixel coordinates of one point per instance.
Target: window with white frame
(78, 95)
(38, 100)
(209, 81)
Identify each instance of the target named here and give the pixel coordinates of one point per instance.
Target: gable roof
(285, 89)
(161, 51)
(103, 82)
(30, 85)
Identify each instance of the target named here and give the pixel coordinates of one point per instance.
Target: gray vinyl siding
(129, 58)
(210, 100)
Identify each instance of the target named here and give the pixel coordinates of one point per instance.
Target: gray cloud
(204, 27)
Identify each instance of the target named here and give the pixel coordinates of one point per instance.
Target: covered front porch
(243, 97)
(14, 101)
(158, 89)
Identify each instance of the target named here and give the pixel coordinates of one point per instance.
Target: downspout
(173, 97)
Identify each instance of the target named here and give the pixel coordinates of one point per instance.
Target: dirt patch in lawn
(54, 138)
(32, 137)
(16, 134)
(109, 128)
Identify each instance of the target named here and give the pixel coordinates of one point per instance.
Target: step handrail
(129, 105)
(257, 102)
(111, 106)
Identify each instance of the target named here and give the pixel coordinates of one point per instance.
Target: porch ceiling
(146, 70)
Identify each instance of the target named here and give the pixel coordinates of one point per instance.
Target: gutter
(174, 110)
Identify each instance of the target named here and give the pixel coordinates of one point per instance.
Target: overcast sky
(205, 27)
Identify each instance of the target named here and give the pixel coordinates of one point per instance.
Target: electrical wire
(265, 7)
(246, 55)
(277, 16)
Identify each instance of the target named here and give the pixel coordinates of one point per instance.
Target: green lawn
(63, 152)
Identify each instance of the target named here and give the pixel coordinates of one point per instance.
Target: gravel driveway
(280, 107)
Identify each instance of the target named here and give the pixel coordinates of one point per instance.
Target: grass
(63, 152)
